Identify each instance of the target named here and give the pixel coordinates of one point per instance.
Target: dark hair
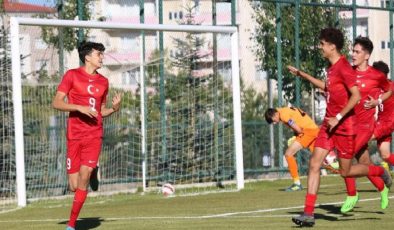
(86, 48)
(334, 36)
(364, 42)
(269, 114)
(381, 66)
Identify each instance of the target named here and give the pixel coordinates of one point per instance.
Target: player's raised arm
(316, 82)
(116, 100)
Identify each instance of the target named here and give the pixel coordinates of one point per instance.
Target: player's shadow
(87, 223)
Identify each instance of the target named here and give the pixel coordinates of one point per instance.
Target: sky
(40, 2)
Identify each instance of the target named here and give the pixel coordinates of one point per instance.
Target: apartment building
(36, 55)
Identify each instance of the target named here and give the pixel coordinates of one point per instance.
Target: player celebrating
(86, 91)
(337, 130)
(306, 132)
(371, 83)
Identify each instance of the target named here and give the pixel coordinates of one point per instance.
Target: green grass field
(261, 205)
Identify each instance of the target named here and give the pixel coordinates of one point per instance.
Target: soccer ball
(167, 189)
(330, 158)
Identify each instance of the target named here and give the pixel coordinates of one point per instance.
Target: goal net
(180, 116)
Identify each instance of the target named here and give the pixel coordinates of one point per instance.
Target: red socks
(375, 170)
(310, 201)
(390, 160)
(79, 200)
(350, 186)
(377, 182)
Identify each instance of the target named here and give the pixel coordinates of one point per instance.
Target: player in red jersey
(337, 130)
(86, 91)
(371, 84)
(385, 122)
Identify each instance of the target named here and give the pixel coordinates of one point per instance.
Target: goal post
(236, 135)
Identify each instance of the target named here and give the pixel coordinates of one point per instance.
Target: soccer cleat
(93, 182)
(384, 198)
(349, 203)
(70, 228)
(304, 220)
(387, 179)
(294, 187)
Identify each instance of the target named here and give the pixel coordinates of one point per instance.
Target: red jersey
(340, 78)
(86, 90)
(387, 112)
(370, 83)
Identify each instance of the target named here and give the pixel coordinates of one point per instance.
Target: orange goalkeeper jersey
(292, 115)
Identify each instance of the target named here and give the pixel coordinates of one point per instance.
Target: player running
(337, 130)
(371, 83)
(86, 91)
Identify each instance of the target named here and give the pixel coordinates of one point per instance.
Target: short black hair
(364, 42)
(86, 48)
(269, 114)
(334, 36)
(381, 66)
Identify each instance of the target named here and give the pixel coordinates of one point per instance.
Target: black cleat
(93, 182)
(304, 220)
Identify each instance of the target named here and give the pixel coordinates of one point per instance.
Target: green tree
(7, 182)
(312, 20)
(187, 63)
(66, 10)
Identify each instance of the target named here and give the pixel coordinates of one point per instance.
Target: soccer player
(86, 91)
(337, 130)
(371, 83)
(385, 123)
(305, 130)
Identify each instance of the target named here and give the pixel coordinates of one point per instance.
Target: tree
(312, 20)
(66, 10)
(7, 151)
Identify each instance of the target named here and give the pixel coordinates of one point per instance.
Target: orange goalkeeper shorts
(307, 138)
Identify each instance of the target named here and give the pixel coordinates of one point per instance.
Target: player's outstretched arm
(60, 104)
(116, 101)
(316, 82)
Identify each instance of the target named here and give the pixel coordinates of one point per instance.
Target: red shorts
(82, 152)
(344, 144)
(383, 131)
(364, 133)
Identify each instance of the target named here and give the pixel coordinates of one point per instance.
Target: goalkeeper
(305, 130)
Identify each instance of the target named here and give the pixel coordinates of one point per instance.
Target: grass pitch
(261, 205)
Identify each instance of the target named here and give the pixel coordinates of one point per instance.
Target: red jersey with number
(340, 78)
(370, 83)
(386, 112)
(86, 90)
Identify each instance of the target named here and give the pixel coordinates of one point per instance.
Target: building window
(388, 45)
(175, 15)
(130, 77)
(170, 16)
(260, 75)
(180, 14)
(197, 5)
(41, 64)
(40, 44)
(383, 45)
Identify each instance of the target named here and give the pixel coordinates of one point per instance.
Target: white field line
(222, 215)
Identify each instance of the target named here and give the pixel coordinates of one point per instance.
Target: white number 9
(92, 102)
